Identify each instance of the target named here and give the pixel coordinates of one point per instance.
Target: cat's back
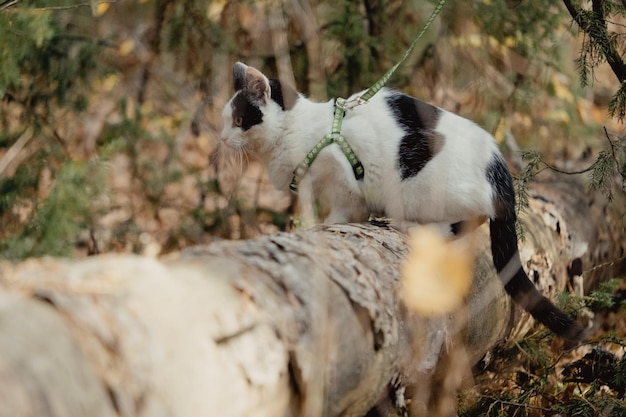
(401, 126)
(416, 153)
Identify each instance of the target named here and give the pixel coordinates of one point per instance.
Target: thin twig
(616, 24)
(582, 171)
(73, 6)
(514, 404)
(15, 149)
(561, 171)
(8, 3)
(606, 133)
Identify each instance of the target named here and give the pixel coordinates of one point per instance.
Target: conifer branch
(594, 25)
(607, 162)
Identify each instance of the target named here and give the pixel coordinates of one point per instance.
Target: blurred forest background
(110, 111)
(110, 115)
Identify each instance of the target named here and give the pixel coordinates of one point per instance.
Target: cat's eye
(238, 121)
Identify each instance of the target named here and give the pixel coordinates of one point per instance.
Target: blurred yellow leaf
(475, 40)
(559, 115)
(205, 144)
(147, 107)
(561, 88)
(102, 8)
(437, 274)
(510, 42)
(126, 47)
(214, 11)
(523, 120)
(110, 82)
(501, 129)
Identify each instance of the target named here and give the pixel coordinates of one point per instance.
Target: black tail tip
(564, 326)
(574, 336)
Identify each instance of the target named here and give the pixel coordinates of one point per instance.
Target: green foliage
(347, 28)
(68, 209)
(600, 45)
(603, 297)
(601, 171)
(13, 192)
(520, 185)
(55, 221)
(42, 64)
(44, 68)
(531, 28)
(187, 30)
(533, 162)
(617, 104)
(529, 31)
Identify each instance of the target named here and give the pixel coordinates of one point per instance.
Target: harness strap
(334, 136)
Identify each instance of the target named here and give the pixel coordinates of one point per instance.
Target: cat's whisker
(240, 162)
(246, 155)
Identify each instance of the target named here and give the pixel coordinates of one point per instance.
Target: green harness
(342, 105)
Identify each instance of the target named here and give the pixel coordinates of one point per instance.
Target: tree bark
(294, 324)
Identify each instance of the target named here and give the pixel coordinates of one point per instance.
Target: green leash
(342, 105)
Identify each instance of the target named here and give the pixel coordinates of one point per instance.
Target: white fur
(451, 187)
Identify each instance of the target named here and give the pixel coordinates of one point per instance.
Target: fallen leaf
(437, 274)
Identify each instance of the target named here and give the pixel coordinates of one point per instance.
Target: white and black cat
(422, 164)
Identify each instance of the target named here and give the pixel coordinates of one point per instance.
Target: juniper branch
(594, 25)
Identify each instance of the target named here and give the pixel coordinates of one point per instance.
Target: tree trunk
(304, 324)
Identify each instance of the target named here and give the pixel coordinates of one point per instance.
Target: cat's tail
(517, 284)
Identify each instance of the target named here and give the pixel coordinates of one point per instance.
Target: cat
(422, 164)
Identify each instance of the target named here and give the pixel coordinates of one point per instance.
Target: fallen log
(304, 324)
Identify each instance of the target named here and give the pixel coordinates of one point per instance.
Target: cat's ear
(257, 85)
(239, 76)
(252, 82)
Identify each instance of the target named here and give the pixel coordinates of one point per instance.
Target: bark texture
(302, 324)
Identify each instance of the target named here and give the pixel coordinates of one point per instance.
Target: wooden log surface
(305, 324)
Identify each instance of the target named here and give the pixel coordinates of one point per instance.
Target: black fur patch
(277, 93)
(250, 113)
(284, 96)
(504, 196)
(239, 76)
(421, 142)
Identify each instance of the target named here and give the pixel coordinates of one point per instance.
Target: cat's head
(253, 117)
